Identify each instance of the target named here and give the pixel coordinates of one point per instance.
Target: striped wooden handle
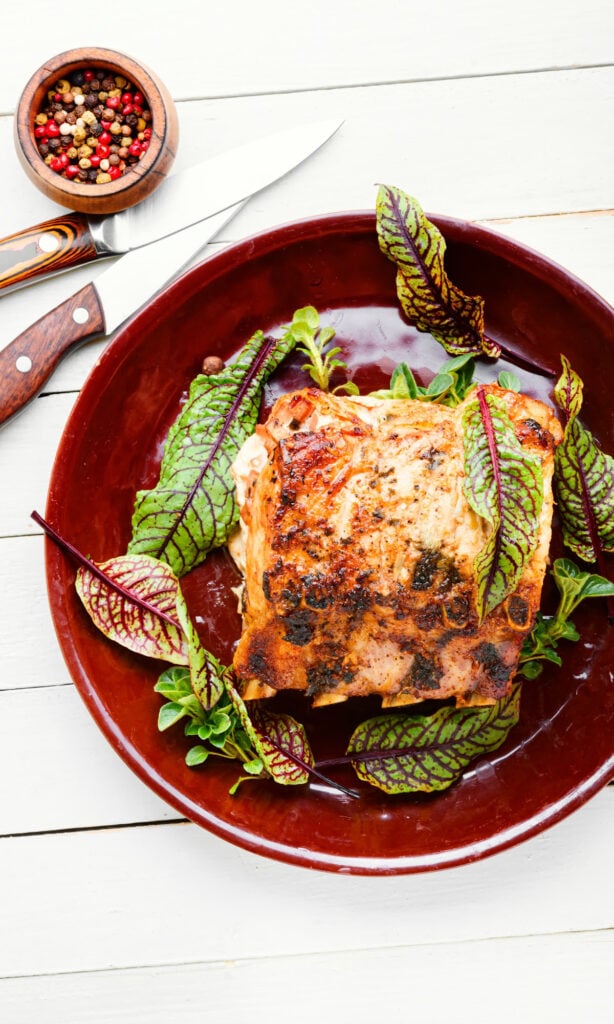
(49, 247)
(30, 359)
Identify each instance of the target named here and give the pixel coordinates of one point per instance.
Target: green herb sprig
(312, 341)
(574, 586)
(220, 730)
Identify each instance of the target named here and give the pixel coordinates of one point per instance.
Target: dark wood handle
(29, 361)
(49, 247)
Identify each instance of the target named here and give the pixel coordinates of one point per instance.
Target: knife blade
(97, 309)
(182, 199)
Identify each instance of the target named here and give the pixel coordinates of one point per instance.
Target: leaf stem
(99, 573)
(310, 769)
(521, 361)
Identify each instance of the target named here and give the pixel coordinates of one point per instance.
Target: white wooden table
(111, 907)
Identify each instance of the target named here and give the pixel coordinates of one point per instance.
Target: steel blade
(138, 276)
(210, 187)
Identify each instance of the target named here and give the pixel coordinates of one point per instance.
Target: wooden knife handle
(49, 247)
(28, 361)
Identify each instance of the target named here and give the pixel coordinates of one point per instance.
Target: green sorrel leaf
(402, 753)
(428, 297)
(279, 740)
(283, 747)
(133, 599)
(504, 485)
(193, 507)
(583, 478)
(206, 673)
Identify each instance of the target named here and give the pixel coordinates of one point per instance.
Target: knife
(98, 309)
(182, 199)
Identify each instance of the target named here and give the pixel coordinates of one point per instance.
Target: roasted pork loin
(357, 547)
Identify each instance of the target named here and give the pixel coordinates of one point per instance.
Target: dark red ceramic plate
(563, 749)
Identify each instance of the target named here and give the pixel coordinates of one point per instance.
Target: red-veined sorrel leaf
(583, 478)
(193, 507)
(504, 485)
(132, 599)
(279, 740)
(402, 753)
(207, 675)
(428, 297)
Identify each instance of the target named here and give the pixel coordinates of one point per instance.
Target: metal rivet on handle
(80, 315)
(23, 364)
(48, 243)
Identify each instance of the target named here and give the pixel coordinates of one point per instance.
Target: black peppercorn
(69, 133)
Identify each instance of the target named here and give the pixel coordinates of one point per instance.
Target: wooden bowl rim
(113, 195)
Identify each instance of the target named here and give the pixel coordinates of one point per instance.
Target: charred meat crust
(360, 548)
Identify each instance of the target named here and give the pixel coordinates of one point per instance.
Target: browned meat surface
(357, 546)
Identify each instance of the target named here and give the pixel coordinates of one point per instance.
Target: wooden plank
(566, 977)
(29, 443)
(580, 242)
(30, 653)
(74, 778)
(476, 148)
(175, 894)
(534, 166)
(265, 48)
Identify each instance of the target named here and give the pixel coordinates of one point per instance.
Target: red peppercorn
(110, 106)
(147, 133)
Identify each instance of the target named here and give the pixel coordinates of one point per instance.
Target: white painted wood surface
(111, 907)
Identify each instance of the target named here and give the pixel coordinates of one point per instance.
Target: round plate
(561, 752)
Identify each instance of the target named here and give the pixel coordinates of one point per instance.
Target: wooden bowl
(142, 178)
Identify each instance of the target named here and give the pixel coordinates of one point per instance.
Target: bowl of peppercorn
(95, 130)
